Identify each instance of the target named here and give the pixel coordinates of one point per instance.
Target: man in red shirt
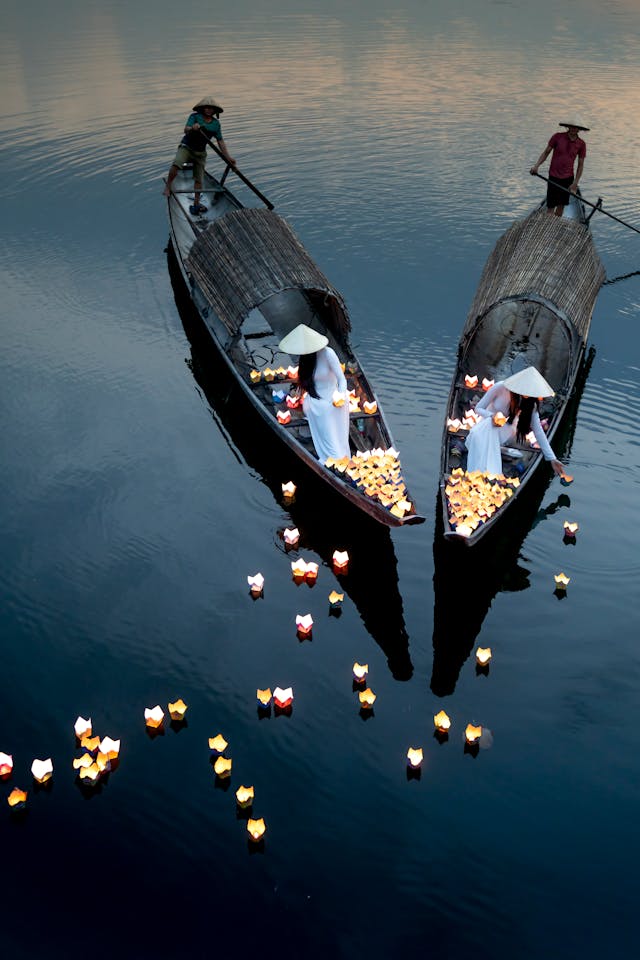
(566, 147)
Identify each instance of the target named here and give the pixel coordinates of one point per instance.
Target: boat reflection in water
(324, 518)
(492, 566)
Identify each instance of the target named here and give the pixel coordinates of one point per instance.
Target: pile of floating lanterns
(473, 498)
(377, 474)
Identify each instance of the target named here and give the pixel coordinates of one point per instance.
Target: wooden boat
(533, 307)
(252, 282)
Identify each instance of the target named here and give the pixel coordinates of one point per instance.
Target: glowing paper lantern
(6, 765)
(102, 762)
(255, 376)
(570, 529)
(299, 568)
(304, 624)
(283, 416)
(292, 373)
(256, 829)
(244, 796)
(565, 479)
(415, 756)
(483, 656)
(82, 727)
(338, 399)
(487, 384)
(360, 671)
(562, 581)
(283, 697)
(218, 744)
(264, 697)
(335, 599)
(90, 775)
(17, 799)
(84, 761)
(370, 406)
(42, 770)
(153, 717)
(453, 424)
(499, 419)
(256, 584)
(289, 489)
(311, 573)
(367, 698)
(177, 710)
(471, 380)
(291, 536)
(269, 374)
(442, 722)
(90, 743)
(472, 734)
(111, 748)
(293, 402)
(222, 767)
(278, 395)
(340, 561)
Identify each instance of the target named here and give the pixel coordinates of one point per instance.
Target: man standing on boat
(202, 125)
(566, 147)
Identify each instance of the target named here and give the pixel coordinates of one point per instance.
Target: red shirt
(565, 151)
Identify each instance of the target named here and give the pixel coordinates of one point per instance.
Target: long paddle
(244, 179)
(596, 206)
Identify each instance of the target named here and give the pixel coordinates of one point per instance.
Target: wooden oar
(596, 206)
(242, 177)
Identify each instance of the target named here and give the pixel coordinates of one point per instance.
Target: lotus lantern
(218, 744)
(6, 765)
(82, 727)
(570, 529)
(442, 722)
(499, 419)
(487, 384)
(291, 536)
(110, 747)
(483, 656)
(283, 698)
(92, 744)
(367, 698)
(335, 599)
(244, 796)
(360, 671)
(338, 398)
(153, 717)
(289, 489)
(256, 829)
(370, 406)
(177, 710)
(84, 761)
(415, 756)
(292, 373)
(17, 799)
(256, 584)
(472, 733)
(304, 624)
(470, 380)
(562, 581)
(42, 770)
(283, 416)
(255, 376)
(264, 697)
(311, 574)
(222, 767)
(340, 561)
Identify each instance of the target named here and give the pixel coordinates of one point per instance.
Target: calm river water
(137, 496)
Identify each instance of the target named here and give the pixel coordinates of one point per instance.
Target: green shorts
(196, 157)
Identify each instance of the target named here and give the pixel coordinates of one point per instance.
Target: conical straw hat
(529, 383)
(209, 101)
(303, 339)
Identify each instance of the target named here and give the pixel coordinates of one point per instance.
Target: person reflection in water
(515, 399)
(565, 147)
(201, 125)
(320, 376)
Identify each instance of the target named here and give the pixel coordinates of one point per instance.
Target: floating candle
(335, 599)
(17, 799)
(256, 584)
(367, 698)
(562, 581)
(110, 747)
(153, 717)
(340, 561)
(222, 767)
(244, 797)
(256, 829)
(499, 419)
(338, 399)
(264, 697)
(255, 376)
(177, 710)
(283, 697)
(82, 727)
(289, 489)
(311, 573)
(283, 416)
(291, 536)
(415, 756)
(570, 529)
(304, 624)
(483, 656)
(292, 373)
(6, 765)
(42, 770)
(472, 734)
(442, 722)
(91, 744)
(218, 744)
(360, 671)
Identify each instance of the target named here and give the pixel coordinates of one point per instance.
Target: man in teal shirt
(193, 147)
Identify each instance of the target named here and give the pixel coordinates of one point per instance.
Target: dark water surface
(138, 494)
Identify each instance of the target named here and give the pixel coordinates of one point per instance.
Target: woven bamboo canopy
(552, 257)
(247, 256)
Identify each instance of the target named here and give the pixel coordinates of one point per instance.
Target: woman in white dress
(516, 398)
(320, 377)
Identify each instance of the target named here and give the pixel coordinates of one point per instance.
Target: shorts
(196, 157)
(555, 196)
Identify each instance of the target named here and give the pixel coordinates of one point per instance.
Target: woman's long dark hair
(306, 370)
(525, 406)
